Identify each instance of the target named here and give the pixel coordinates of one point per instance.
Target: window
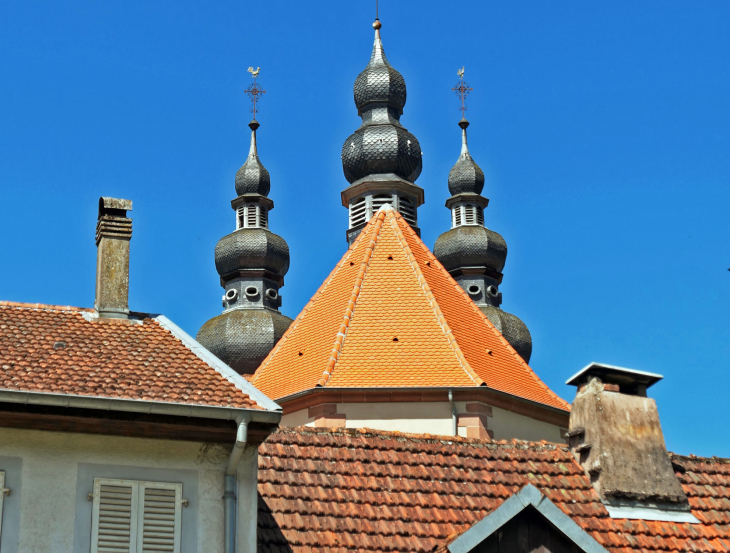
(457, 216)
(264, 222)
(251, 216)
(379, 200)
(480, 216)
(408, 210)
(136, 516)
(3, 491)
(358, 212)
(469, 214)
(240, 216)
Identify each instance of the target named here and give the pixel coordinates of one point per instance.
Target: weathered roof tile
(386, 491)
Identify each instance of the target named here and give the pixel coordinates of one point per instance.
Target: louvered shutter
(114, 523)
(159, 518)
(2, 496)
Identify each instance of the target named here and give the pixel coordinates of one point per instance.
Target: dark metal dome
(379, 82)
(465, 176)
(380, 149)
(242, 338)
(471, 246)
(252, 248)
(252, 177)
(512, 328)
(381, 145)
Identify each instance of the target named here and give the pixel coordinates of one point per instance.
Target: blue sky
(603, 129)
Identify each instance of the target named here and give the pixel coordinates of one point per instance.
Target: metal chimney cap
(611, 374)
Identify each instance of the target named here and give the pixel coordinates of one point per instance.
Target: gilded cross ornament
(462, 90)
(254, 91)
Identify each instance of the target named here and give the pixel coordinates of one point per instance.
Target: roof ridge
(364, 265)
(44, 306)
(243, 385)
(301, 315)
(373, 432)
(476, 309)
(446, 329)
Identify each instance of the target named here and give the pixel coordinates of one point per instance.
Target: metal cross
(254, 91)
(462, 90)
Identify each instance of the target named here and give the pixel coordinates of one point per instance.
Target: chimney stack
(616, 436)
(113, 233)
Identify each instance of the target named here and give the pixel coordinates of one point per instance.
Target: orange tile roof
(67, 350)
(369, 490)
(390, 315)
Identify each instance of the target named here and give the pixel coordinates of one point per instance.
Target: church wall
(427, 418)
(50, 475)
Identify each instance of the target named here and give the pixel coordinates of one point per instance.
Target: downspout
(229, 484)
(454, 429)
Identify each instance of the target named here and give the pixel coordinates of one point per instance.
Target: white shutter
(114, 522)
(159, 518)
(2, 496)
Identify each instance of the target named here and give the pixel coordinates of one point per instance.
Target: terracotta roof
(68, 350)
(390, 315)
(346, 489)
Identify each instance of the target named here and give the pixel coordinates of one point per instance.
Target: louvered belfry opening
(251, 216)
(363, 209)
(467, 214)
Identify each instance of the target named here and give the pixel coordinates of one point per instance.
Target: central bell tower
(381, 160)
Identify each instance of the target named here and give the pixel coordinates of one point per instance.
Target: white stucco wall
(431, 418)
(56, 469)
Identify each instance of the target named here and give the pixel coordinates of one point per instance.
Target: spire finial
(254, 91)
(377, 24)
(462, 90)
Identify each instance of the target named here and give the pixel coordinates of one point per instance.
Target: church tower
(251, 262)
(473, 254)
(381, 159)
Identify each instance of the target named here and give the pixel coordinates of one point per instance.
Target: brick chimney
(616, 436)
(113, 233)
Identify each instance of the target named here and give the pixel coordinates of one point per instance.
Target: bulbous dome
(379, 82)
(252, 248)
(512, 328)
(379, 149)
(466, 176)
(242, 338)
(252, 177)
(471, 246)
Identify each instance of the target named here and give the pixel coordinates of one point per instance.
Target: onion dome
(465, 176)
(381, 160)
(242, 338)
(473, 254)
(379, 82)
(251, 262)
(512, 328)
(253, 248)
(471, 246)
(252, 177)
(381, 145)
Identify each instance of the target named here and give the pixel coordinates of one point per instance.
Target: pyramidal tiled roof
(390, 315)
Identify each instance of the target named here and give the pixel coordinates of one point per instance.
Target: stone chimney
(113, 233)
(616, 436)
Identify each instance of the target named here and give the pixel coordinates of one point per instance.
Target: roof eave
(139, 406)
(320, 389)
